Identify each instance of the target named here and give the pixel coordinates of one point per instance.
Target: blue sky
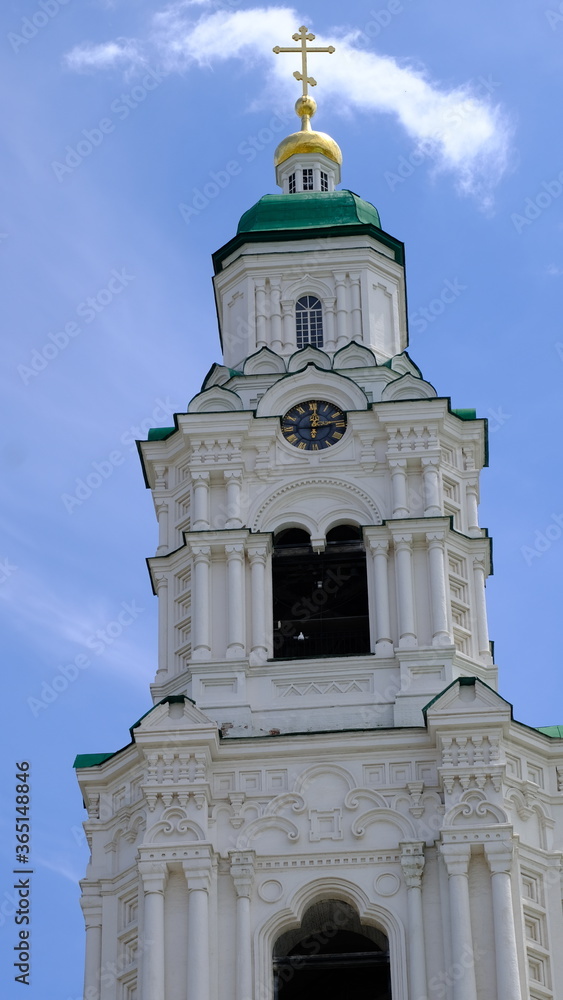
(118, 112)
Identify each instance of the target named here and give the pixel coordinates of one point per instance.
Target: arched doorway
(332, 955)
(320, 599)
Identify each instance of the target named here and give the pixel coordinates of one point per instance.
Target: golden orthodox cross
(304, 36)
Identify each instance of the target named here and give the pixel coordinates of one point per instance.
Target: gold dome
(307, 141)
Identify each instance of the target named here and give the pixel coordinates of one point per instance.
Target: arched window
(332, 954)
(320, 603)
(309, 321)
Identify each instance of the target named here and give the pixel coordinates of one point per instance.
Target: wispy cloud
(87, 58)
(468, 134)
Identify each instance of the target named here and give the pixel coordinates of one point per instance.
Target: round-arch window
(292, 536)
(309, 321)
(344, 533)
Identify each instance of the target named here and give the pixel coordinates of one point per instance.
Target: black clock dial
(314, 425)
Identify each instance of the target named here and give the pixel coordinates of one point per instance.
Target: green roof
(466, 414)
(91, 759)
(160, 433)
(555, 731)
(308, 209)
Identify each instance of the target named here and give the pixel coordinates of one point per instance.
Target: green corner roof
(91, 759)
(466, 414)
(554, 731)
(160, 433)
(308, 209)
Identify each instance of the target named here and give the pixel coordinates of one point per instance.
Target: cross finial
(304, 36)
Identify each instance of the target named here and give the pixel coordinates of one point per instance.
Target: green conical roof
(308, 209)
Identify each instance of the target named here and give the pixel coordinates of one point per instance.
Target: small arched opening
(332, 954)
(320, 599)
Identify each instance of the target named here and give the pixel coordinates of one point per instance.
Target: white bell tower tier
(327, 796)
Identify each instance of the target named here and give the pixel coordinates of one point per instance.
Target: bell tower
(325, 727)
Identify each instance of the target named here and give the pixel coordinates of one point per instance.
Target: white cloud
(554, 270)
(462, 130)
(92, 57)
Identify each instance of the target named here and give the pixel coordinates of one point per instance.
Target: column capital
(242, 871)
(233, 474)
(201, 553)
(257, 553)
(379, 546)
(430, 461)
(499, 856)
(479, 563)
(456, 857)
(200, 477)
(235, 550)
(404, 540)
(435, 538)
(198, 867)
(91, 905)
(412, 863)
(154, 875)
(399, 464)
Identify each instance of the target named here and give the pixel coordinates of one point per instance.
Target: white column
(342, 332)
(383, 640)
(233, 479)
(201, 501)
(431, 486)
(197, 870)
(399, 485)
(276, 319)
(288, 323)
(499, 858)
(457, 858)
(161, 586)
(356, 307)
(481, 609)
(235, 602)
(405, 591)
(91, 904)
(259, 634)
(472, 496)
(201, 602)
(261, 317)
(329, 320)
(154, 875)
(412, 863)
(162, 516)
(242, 871)
(438, 593)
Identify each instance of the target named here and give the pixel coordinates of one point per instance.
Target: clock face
(314, 425)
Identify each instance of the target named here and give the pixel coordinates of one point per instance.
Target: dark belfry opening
(320, 599)
(332, 954)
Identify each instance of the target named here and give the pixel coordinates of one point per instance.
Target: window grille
(309, 321)
(292, 186)
(308, 179)
(324, 181)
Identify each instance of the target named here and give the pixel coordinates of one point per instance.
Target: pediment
(308, 356)
(311, 383)
(467, 699)
(173, 714)
(403, 364)
(215, 400)
(408, 387)
(264, 362)
(217, 375)
(354, 355)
